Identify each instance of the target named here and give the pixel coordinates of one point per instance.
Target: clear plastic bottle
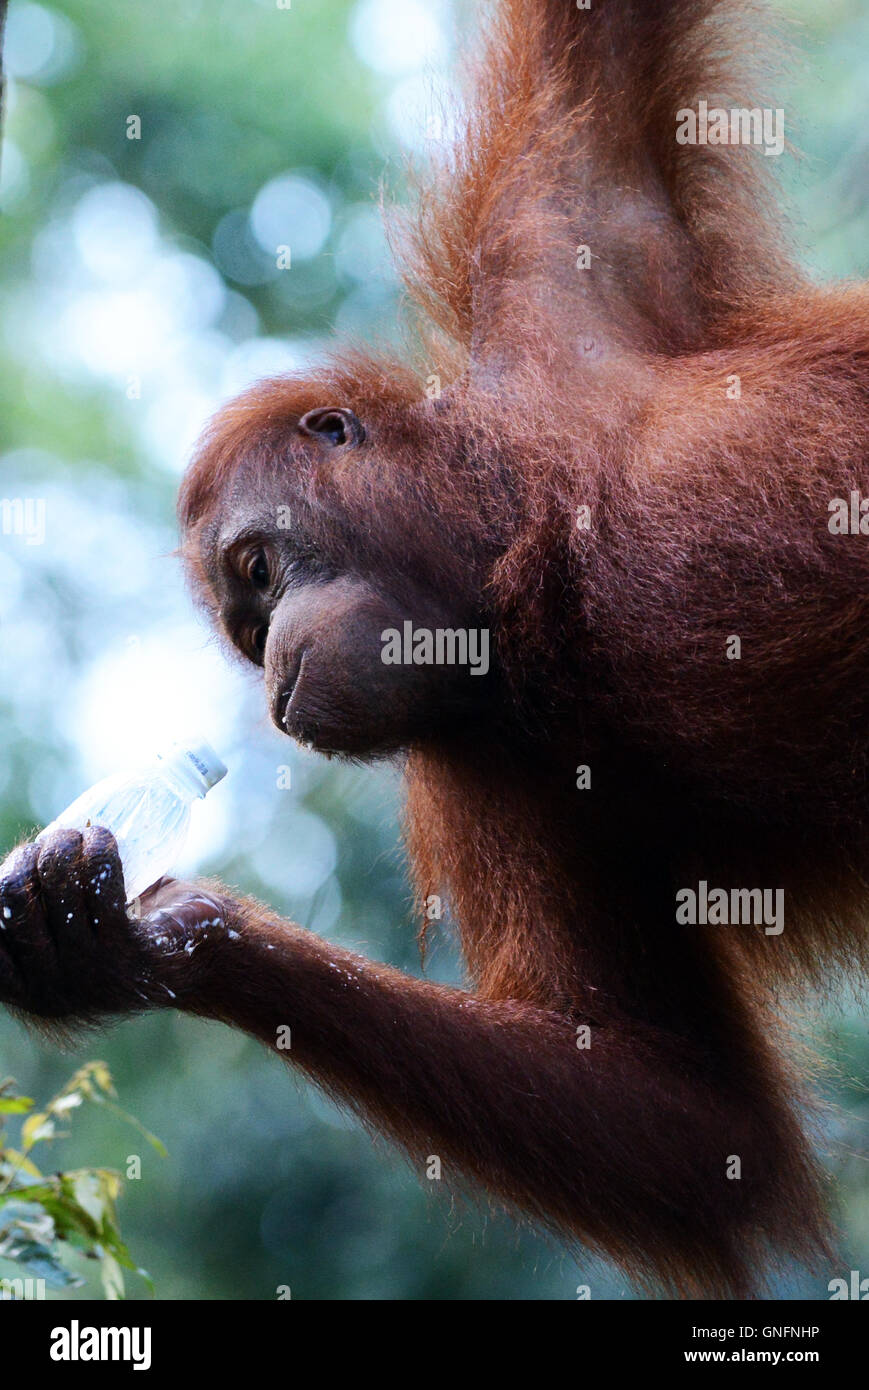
(147, 811)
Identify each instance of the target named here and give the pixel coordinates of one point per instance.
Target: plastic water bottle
(147, 811)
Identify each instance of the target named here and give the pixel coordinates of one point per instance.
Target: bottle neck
(182, 778)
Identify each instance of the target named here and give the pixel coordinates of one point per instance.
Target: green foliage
(43, 1217)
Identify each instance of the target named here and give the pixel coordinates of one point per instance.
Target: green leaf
(112, 1278)
(41, 1218)
(15, 1105)
(13, 1162)
(64, 1103)
(41, 1262)
(36, 1129)
(25, 1214)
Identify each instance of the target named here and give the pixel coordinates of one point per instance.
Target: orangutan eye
(258, 571)
(259, 640)
(335, 426)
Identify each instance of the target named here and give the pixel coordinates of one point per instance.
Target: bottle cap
(199, 761)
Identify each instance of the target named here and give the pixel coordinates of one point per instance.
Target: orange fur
(708, 518)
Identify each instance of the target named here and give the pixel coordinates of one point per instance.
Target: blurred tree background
(155, 154)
